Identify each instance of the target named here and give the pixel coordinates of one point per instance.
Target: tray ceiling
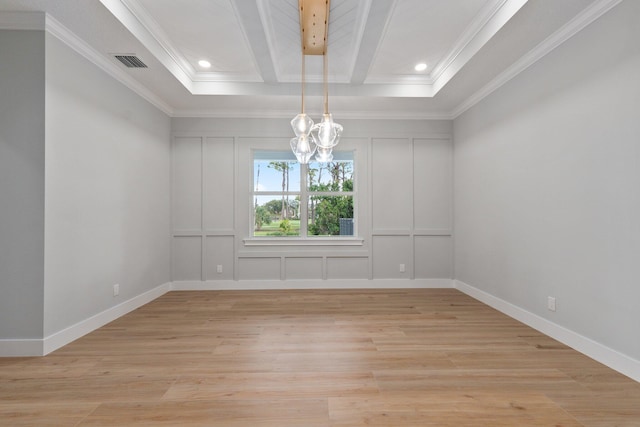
(469, 46)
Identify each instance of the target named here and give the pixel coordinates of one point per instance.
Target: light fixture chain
(303, 81)
(325, 71)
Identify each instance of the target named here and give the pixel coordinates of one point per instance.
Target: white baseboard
(603, 354)
(41, 347)
(226, 285)
(72, 333)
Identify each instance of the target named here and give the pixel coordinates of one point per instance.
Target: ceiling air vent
(131, 61)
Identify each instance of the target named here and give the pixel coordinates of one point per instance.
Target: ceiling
(471, 47)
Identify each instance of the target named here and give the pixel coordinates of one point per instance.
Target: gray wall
(22, 124)
(547, 185)
(107, 191)
(403, 180)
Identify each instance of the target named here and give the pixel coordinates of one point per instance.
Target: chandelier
(320, 138)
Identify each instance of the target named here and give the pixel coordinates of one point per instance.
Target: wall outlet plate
(551, 303)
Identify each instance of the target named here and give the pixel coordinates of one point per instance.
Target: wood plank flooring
(425, 357)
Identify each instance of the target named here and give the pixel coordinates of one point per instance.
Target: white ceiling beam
(379, 14)
(248, 14)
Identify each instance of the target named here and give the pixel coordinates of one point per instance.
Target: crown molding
(124, 12)
(577, 24)
(467, 49)
(467, 37)
(44, 22)
(63, 34)
(288, 114)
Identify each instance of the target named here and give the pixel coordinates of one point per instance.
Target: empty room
(320, 213)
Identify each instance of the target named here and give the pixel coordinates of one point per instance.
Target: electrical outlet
(402, 269)
(116, 290)
(219, 268)
(551, 303)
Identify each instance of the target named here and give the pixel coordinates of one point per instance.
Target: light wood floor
(315, 358)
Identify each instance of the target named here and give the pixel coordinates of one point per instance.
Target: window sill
(300, 241)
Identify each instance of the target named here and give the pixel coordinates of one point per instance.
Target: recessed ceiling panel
(422, 31)
(282, 25)
(203, 29)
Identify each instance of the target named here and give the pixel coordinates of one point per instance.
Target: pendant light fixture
(302, 145)
(321, 137)
(326, 134)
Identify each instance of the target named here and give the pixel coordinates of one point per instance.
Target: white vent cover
(130, 61)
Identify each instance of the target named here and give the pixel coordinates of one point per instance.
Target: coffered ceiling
(471, 47)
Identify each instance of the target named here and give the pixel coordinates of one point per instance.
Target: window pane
(331, 176)
(275, 171)
(272, 220)
(330, 216)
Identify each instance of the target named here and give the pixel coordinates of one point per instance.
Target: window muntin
(294, 200)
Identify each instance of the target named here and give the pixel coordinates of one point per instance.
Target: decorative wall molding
(603, 354)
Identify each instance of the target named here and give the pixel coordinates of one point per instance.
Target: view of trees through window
(291, 199)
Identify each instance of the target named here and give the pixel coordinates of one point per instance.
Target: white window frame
(304, 194)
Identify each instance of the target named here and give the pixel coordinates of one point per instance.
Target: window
(294, 200)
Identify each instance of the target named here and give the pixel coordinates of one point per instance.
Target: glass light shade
(324, 155)
(303, 147)
(326, 134)
(301, 124)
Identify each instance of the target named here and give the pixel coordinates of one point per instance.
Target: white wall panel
(219, 189)
(187, 258)
(433, 258)
(392, 182)
(388, 253)
(347, 268)
(303, 268)
(259, 268)
(219, 251)
(186, 187)
(433, 175)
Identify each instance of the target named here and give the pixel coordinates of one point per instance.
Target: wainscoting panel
(218, 185)
(389, 252)
(392, 183)
(219, 252)
(186, 255)
(259, 268)
(347, 268)
(303, 268)
(186, 188)
(433, 183)
(433, 257)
